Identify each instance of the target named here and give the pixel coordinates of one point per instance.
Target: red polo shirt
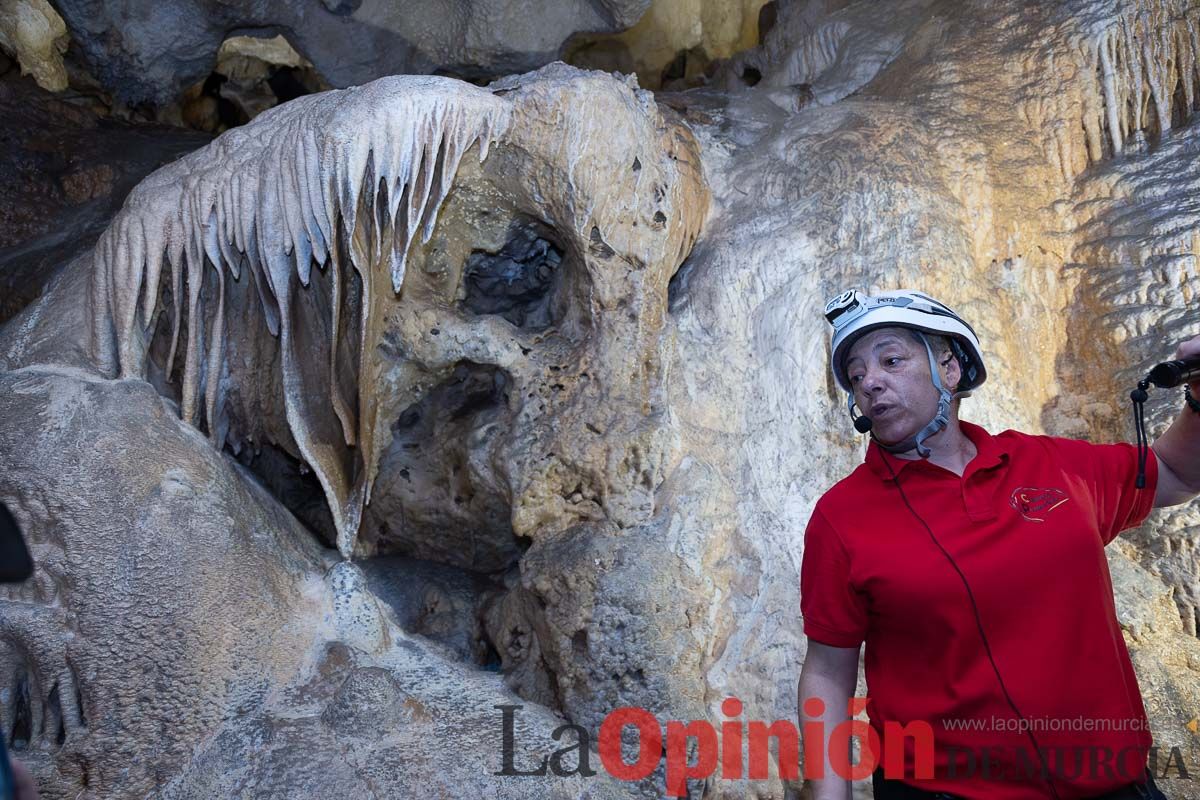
(1026, 523)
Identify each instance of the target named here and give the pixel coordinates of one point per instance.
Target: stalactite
(271, 198)
(1139, 74)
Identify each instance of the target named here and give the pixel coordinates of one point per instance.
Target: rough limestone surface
(566, 399)
(66, 172)
(185, 638)
(362, 240)
(33, 31)
(148, 51)
(982, 152)
(675, 41)
(251, 64)
(166, 597)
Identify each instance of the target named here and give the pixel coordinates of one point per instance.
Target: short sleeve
(834, 612)
(1109, 472)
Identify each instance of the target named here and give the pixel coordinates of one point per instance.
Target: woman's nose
(872, 380)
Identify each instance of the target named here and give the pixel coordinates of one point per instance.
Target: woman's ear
(950, 369)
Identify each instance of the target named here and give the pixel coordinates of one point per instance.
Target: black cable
(978, 621)
(1139, 397)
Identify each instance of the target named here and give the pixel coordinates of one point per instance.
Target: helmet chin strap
(940, 419)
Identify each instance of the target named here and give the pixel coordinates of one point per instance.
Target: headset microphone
(862, 423)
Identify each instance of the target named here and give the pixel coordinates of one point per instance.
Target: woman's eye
(892, 361)
(855, 378)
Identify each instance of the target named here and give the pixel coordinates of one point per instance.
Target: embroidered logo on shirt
(1034, 504)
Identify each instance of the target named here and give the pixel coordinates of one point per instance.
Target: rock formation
(147, 51)
(36, 35)
(204, 284)
(676, 42)
(66, 172)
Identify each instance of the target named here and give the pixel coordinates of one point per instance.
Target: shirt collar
(989, 452)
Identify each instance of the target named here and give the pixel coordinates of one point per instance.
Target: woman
(973, 568)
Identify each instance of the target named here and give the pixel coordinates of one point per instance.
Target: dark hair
(937, 342)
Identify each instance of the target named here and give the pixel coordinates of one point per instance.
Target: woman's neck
(949, 448)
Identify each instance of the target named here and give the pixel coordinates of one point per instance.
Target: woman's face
(888, 370)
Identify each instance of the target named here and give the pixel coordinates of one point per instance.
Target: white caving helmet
(854, 313)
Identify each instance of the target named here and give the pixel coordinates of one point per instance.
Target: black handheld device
(1165, 375)
(1170, 374)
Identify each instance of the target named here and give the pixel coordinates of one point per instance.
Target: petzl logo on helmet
(1035, 504)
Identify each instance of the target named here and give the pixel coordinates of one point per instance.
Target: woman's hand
(1178, 470)
(1190, 347)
